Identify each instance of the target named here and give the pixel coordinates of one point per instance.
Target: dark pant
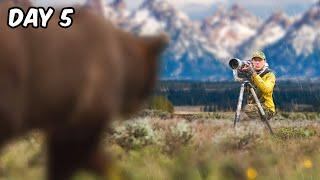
(251, 112)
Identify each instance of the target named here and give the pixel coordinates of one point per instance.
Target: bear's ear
(157, 44)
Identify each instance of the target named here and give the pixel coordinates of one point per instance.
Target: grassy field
(195, 146)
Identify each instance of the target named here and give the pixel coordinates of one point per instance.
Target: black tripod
(247, 84)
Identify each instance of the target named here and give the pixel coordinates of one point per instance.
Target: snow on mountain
(228, 28)
(305, 31)
(200, 50)
(116, 11)
(190, 55)
(272, 30)
(119, 5)
(161, 12)
(297, 54)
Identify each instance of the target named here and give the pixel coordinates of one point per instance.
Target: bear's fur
(71, 83)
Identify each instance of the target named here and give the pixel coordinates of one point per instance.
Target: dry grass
(201, 146)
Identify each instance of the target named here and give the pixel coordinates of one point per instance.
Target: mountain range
(200, 50)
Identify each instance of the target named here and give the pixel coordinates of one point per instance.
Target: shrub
(294, 132)
(286, 115)
(177, 136)
(147, 113)
(161, 103)
(240, 142)
(134, 134)
(297, 116)
(311, 116)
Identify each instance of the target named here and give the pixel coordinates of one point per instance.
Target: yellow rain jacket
(265, 86)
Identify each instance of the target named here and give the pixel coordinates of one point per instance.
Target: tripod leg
(263, 114)
(240, 100)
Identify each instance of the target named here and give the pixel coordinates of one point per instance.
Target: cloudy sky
(198, 9)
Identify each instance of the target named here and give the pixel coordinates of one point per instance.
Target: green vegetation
(294, 132)
(205, 146)
(161, 103)
(134, 135)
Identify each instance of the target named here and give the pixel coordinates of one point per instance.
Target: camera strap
(264, 72)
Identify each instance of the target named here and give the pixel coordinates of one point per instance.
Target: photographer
(264, 81)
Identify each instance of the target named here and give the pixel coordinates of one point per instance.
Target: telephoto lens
(235, 63)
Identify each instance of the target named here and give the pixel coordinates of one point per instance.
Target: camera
(237, 66)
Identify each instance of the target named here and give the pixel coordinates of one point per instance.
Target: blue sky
(198, 9)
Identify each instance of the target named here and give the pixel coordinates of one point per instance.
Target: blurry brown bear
(70, 83)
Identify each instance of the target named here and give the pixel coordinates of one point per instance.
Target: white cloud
(200, 8)
(57, 2)
(274, 3)
(271, 2)
(182, 3)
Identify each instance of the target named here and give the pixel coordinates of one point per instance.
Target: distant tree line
(223, 96)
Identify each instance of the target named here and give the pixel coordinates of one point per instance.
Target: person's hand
(248, 68)
(251, 71)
